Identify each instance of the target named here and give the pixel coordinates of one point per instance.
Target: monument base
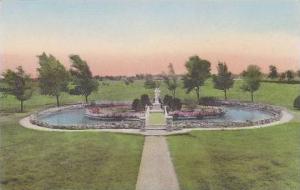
(156, 107)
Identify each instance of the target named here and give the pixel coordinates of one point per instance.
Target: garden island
(150, 95)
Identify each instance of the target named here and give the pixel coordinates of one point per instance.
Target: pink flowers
(198, 113)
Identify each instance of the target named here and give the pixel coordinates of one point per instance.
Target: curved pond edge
(285, 116)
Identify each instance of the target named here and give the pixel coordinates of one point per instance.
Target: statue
(157, 94)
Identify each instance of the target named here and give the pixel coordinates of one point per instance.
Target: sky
(120, 37)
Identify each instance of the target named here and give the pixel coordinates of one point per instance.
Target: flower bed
(198, 113)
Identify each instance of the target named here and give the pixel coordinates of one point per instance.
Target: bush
(208, 101)
(172, 103)
(145, 100)
(282, 81)
(176, 104)
(191, 104)
(167, 100)
(297, 102)
(136, 105)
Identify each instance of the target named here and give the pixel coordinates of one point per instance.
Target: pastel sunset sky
(129, 37)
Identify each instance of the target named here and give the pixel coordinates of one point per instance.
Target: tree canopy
(53, 76)
(224, 79)
(18, 84)
(170, 80)
(198, 70)
(82, 76)
(252, 77)
(273, 72)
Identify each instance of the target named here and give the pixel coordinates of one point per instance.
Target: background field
(278, 94)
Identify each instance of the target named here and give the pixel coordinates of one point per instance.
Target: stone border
(274, 111)
(172, 127)
(124, 124)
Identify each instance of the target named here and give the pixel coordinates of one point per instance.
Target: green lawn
(157, 118)
(35, 160)
(260, 159)
(250, 159)
(278, 94)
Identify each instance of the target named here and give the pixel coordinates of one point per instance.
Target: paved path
(156, 169)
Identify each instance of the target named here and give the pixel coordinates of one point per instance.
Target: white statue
(157, 93)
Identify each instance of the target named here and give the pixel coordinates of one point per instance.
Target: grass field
(35, 160)
(251, 159)
(260, 159)
(278, 94)
(157, 118)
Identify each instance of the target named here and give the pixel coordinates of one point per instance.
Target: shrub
(145, 100)
(297, 102)
(172, 103)
(167, 100)
(136, 105)
(208, 100)
(191, 104)
(176, 104)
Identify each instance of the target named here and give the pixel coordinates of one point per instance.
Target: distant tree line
(54, 78)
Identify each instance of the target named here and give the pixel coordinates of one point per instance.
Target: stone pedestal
(156, 106)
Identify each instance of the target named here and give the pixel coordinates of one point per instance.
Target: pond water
(69, 117)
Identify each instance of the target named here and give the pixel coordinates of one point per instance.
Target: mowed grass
(35, 160)
(272, 93)
(250, 159)
(259, 159)
(157, 118)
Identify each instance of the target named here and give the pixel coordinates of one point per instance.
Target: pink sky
(131, 37)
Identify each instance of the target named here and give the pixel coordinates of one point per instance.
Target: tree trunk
(225, 94)
(21, 105)
(198, 94)
(57, 100)
(174, 92)
(86, 99)
(252, 96)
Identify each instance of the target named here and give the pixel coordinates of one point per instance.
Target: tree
(198, 70)
(290, 75)
(298, 73)
(282, 76)
(53, 76)
(224, 79)
(171, 80)
(252, 79)
(18, 84)
(83, 77)
(273, 72)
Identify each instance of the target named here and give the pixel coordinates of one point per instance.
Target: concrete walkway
(156, 169)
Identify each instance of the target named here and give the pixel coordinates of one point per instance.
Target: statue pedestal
(156, 107)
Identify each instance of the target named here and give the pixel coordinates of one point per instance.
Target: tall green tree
(53, 76)
(252, 77)
(18, 84)
(273, 72)
(290, 75)
(224, 79)
(83, 77)
(198, 70)
(298, 73)
(171, 79)
(282, 76)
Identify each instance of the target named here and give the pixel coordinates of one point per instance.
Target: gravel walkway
(156, 169)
